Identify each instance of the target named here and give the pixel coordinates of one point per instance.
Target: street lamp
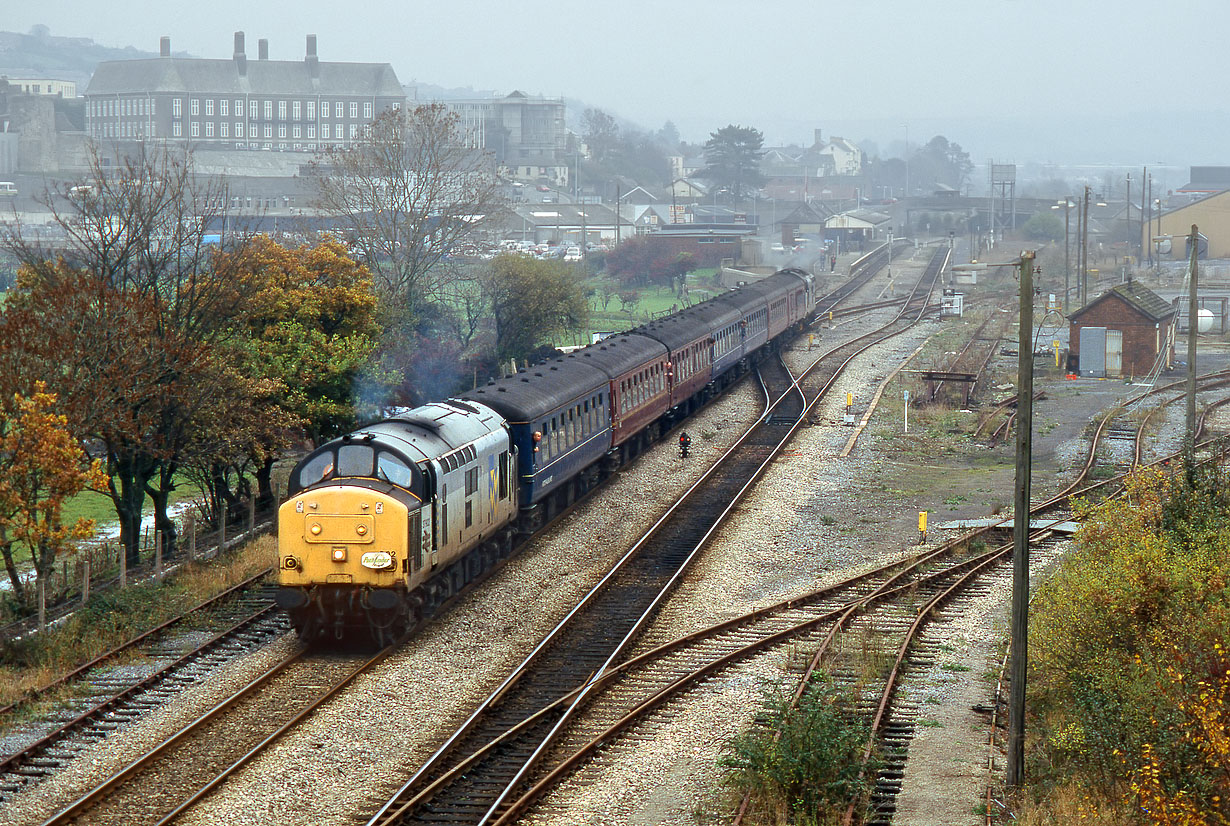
(1020, 516)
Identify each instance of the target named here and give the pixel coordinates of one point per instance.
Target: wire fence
(101, 565)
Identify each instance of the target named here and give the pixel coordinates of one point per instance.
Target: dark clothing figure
(833, 263)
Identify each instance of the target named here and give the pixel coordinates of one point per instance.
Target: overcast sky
(1121, 81)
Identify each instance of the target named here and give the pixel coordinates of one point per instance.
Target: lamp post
(1020, 516)
(1067, 205)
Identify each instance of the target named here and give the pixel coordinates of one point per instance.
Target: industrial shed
(1121, 333)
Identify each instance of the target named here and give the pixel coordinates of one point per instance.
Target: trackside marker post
(905, 394)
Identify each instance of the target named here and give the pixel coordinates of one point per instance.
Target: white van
(8, 188)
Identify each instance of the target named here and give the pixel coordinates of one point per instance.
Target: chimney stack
(164, 47)
(311, 60)
(262, 49)
(241, 59)
(819, 141)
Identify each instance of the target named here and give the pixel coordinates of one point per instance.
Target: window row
(296, 108)
(640, 388)
(124, 130)
(570, 427)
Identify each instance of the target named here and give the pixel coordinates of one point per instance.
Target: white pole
(906, 396)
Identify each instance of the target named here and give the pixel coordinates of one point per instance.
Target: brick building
(1121, 333)
(262, 104)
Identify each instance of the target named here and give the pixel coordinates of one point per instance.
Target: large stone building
(237, 104)
(525, 133)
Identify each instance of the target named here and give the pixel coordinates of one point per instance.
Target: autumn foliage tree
(646, 260)
(41, 467)
(124, 319)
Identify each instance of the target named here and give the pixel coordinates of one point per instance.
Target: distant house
(847, 158)
(1125, 331)
(685, 189)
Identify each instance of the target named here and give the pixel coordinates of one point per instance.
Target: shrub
(1129, 674)
(801, 763)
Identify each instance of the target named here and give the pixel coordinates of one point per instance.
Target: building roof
(1138, 297)
(1207, 179)
(263, 77)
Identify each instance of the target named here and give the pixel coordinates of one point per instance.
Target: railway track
(501, 744)
(169, 778)
(174, 657)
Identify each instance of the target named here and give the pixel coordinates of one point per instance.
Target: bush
(812, 771)
(1129, 682)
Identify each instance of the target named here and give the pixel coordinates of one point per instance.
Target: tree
(305, 346)
(1044, 226)
(41, 467)
(532, 301)
(732, 159)
(649, 260)
(123, 317)
(600, 133)
(408, 192)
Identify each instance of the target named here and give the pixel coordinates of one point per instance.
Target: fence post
(222, 530)
(85, 580)
(251, 515)
(192, 535)
(123, 566)
(158, 554)
(42, 604)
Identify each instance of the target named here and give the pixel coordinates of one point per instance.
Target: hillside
(41, 54)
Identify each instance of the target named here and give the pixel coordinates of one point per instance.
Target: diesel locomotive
(380, 526)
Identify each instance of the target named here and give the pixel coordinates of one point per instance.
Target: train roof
(618, 354)
(689, 324)
(428, 431)
(535, 391)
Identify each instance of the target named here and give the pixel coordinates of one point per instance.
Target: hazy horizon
(1043, 81)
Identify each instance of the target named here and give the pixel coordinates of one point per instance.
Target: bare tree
(408, 192)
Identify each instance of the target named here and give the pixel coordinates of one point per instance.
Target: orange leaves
(41, 467)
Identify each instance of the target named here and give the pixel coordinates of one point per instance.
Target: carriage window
(471, 481)
(469, 514)
(503, 478)
(392, 469)
(316, 469)
(355, 460)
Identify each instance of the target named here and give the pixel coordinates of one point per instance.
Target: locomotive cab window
(392, 469)
(317, 468)
(355, 460)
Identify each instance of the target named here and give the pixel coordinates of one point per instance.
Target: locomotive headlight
(339, 553)
(361, 530)
(290, 563)
(315, 529)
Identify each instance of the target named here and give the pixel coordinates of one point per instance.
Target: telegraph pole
(1020, 526)
(1189, 440)
(1067, 265)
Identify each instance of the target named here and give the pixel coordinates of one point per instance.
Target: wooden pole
(192, 536)
(42, 604)
(222, 529)
(251, 515)
(1020, 527)
(123, 566)
(85, 580)
(158, 554)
